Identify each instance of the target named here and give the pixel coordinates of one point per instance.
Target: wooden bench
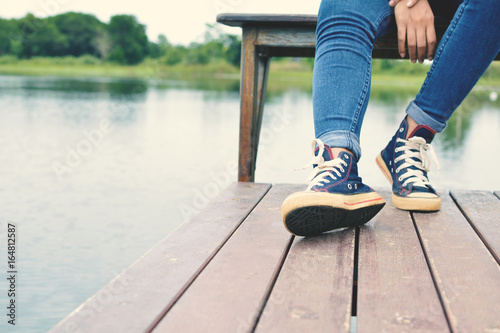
(266, 36)
(234, 268)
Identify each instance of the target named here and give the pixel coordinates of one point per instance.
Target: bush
(8, 59)
(87, 59)
(173, 56)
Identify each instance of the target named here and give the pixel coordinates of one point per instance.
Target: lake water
(95, 172)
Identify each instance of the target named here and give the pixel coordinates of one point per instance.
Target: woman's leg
(336, 196)
(468, 47)
(346, 32)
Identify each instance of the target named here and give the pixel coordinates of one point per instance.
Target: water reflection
(129, 184)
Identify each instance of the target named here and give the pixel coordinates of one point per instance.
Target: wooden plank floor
(234, 268)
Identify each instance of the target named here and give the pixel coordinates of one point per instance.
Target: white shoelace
(415, 154)
(315, 178)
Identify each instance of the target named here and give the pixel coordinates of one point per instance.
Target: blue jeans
(346, 32)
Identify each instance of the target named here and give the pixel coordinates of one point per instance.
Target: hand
(409, 4)
(416, 27)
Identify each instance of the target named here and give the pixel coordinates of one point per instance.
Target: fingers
(421, 37)
(402, 41)
(411, 35)
(431, 41)
(409, 4)
(416, 30)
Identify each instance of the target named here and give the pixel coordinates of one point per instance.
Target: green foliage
(216, 45)
(8, 59)
(7, 28)
(232, 51)
(493, 72)
(159, 49)
(117, 55)
(309, 62)
(129, 35)
(197, 54)
(154, 50)
(174, 55)
(389, 66)
(41, 37)
(102, 43)
(80, 30)
(122, 41)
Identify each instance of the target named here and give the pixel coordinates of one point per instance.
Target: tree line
(122, 40)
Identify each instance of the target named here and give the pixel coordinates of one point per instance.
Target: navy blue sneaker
(335, 198)
(405, 163)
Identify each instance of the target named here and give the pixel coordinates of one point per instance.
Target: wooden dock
(234, 268)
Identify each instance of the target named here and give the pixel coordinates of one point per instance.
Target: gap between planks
(482, 211)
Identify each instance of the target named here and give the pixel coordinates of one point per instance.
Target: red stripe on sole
(362, 202)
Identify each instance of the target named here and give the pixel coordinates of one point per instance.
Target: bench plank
(138, 296)
(276, 37)
(314, 290)
(482, 209)
(466, 275)
(395, 288)
(240, 20)
(298, 34)
(230, 293)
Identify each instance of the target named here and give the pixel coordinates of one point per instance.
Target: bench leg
(254, 73)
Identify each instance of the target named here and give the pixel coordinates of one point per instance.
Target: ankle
(412, 125)
(336, 151)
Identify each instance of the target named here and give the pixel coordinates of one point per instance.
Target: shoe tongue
(424, 132)
(327, 153)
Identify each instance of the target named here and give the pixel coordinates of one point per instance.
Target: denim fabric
(468, 47)
(346, 32)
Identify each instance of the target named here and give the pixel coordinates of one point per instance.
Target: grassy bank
(87, 66)
(284, 72)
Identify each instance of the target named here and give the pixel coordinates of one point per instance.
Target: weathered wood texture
(140, 295)
(482, 209)
(255, 69)
(240, 20)
(235, 268)
(314, 290)
(464, 271)
(229, 294)
(396, 292)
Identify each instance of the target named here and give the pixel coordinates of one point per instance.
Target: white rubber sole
(425, 202)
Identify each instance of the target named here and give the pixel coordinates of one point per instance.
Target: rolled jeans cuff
(343, 139)
(422, 118)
